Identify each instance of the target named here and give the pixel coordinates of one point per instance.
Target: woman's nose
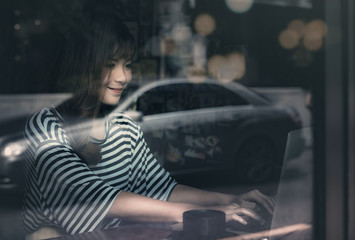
(120, 75)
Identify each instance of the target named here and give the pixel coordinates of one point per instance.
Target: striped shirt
(63, 191)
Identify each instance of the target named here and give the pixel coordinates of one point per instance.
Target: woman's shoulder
(44, 125)
(44, 118)
(45, 114)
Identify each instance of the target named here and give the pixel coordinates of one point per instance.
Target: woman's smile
(117, 90)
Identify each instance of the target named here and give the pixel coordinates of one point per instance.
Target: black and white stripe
(62, 191)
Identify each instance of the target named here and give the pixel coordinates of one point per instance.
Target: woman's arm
(135, 207)
(183, 193)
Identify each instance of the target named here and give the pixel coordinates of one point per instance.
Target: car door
(187, 126)
(192, 140)
(163, 122)
(208, 121)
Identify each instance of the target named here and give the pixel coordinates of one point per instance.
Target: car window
(217, 96)
(129, 90)
(183, 97)
(162, 99)
(151, 102)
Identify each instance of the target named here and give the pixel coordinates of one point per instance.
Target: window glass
(151, 102)
(208, 135)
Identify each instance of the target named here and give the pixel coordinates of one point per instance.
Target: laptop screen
(292, 216)
(294, 196)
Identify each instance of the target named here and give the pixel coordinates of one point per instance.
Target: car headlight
(14, 149)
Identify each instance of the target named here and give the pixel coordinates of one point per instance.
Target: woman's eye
(128, 65)
(111, 65)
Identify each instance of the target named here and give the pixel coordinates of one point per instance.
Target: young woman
(89, 168)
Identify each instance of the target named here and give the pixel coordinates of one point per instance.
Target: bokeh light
(289, 39)
(37, 22)
(239, 6)
(17, 26)
(214, 64)
(237, 61)
(299, 33)
(205, 24)
(298, 26)
(312, 41)
(317, 27)
(315, 31)
(227, 68)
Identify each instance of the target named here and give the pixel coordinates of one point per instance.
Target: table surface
(134, 232)
(166, 232)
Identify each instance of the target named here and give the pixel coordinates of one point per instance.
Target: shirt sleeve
(148, 177)
(72, 196)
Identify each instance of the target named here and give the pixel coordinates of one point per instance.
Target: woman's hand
(236, 212)
(250, 199)
(244, 205)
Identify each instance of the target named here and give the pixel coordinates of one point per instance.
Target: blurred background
(275, 48)
(272, 43)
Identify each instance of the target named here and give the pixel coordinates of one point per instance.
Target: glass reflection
(239, 6)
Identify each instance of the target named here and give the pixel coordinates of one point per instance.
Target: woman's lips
(116, 90)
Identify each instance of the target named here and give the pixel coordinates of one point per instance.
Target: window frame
(334, 119)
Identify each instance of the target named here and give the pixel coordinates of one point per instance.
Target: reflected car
(191, 128)
(211, 126)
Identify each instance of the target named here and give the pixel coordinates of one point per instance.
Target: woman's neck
(98, 129)
(99, 125)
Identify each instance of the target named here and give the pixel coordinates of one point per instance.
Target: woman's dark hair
(91, 42)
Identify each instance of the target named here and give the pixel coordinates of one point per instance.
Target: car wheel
(256, 160)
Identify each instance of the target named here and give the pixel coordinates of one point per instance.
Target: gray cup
(203, 224)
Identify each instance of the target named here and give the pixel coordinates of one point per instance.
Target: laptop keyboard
(253, 225)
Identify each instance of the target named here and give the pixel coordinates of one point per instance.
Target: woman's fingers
(248, 204)
(267, 201)
(256, 196)
(238, 218)
(241, 214)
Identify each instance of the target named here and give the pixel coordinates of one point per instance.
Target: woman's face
(118, 77)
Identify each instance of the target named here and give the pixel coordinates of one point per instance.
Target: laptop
(292, 218)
